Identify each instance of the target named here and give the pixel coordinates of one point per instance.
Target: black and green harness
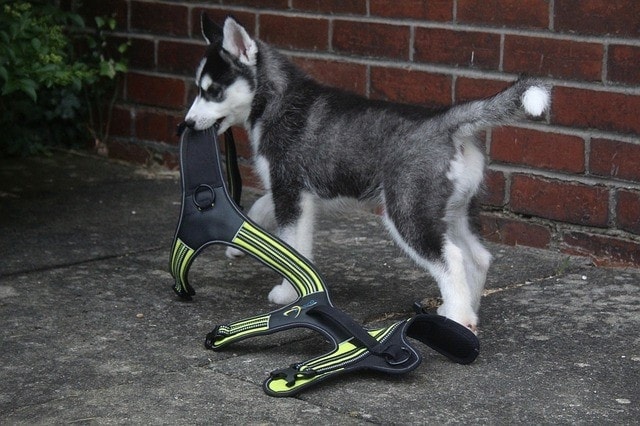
(210, 215)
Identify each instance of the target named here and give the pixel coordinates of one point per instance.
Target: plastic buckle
(393, 358)
(211, 337)
(291, 374)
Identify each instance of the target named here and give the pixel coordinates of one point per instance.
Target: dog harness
(210, 215)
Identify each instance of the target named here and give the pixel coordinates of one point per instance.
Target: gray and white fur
(311, 142)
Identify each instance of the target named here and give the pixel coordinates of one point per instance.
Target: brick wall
(570, 182)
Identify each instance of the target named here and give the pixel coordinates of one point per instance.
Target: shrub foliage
(50, 94)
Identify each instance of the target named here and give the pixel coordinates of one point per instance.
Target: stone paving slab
(93, 334)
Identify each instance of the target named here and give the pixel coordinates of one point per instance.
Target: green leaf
(99, 21)
(107, 69)
(92, 43)
(28, 87)
(77, 20)
(121, 67)
(124, 47)
(48, 69)
(8, 88)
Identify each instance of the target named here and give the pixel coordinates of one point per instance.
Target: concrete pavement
(92, 332)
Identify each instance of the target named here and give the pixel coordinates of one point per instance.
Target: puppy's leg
(434, 250)
(298, 233)
(262, 213)
(465, 173)
(477, 260)
(457, 300)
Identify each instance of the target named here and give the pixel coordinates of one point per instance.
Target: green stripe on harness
(181, 258)
(279, 256)
(209, 215)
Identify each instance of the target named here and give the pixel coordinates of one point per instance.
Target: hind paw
(467, 318)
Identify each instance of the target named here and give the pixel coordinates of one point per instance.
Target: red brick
(155, 90)
(243, 146)
(121, 121)
(603, 250)
(538, 149)
(371, 39)
(345, 75)
(623, 64)
(554, 58)
(141, 54)
(157, 126)
(618, 18)
(241, 139)
(249, 177)
(495, 184)
(246, 19)
(128, 151)
(432, 10)
(514, 232)
(468, 89)
(602, 110)
(261, 4)
(160, 18)
(558, 200)
(459, 48)
(295, 33)
(170, 160)
(628, 211)
(505, 13)
(179, 58)
(413, 87)
(616, 159)
(353, 7)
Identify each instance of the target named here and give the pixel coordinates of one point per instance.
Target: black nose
(183, 125)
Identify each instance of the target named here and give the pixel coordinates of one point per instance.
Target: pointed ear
(210, 30)
(236, 41)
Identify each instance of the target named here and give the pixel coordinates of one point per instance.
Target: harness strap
(234, 179)
(347, 356)
(461, 346)
(340, 319)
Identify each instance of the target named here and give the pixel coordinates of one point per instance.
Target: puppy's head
(225, 77)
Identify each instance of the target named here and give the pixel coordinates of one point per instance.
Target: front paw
(283, 294)
(233, 253)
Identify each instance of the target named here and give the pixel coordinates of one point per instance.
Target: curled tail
(527, 96)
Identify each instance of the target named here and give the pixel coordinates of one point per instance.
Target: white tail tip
(535, 100)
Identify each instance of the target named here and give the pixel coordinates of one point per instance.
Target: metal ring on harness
(199, 197)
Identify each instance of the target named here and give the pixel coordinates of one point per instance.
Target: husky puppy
(311, 142)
